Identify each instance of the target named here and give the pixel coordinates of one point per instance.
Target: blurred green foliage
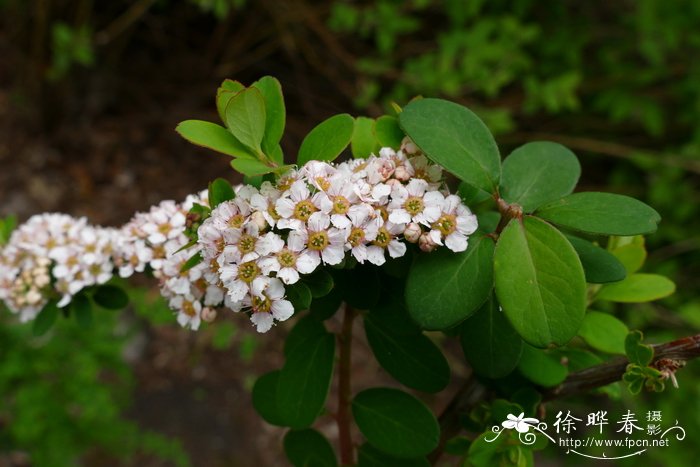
(63, 396)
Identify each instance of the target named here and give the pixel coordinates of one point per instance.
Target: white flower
(322, 241)
(455, 223)
(364, 228)
(267, 303)
(188, 311)
(237, 278)
(414, 203)
(296, 206)
(287, 261)
(385, 240)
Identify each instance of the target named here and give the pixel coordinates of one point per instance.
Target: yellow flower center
(446, 224)
(247, 244)
(318, 241)
(261, 305)
(236, 221)
(188, 308)
(383, 238)
(287, 258)
(247, 272)
(323, 183)
(303, 210)
(356, 237)
(340, 205)
(414, 205)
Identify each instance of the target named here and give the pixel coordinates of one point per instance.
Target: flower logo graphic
(520, 423)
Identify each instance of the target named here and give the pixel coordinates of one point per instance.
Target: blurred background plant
(90, 92)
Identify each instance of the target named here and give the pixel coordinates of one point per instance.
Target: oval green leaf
(637, 288)
(604, 332)
(396, 422)
(226, 91)
(111, 297)
(45, 319)
(541, 368)
(319, 282)
(306, 448)
(454, 137)
(444, 288)
(275, 112)
(246, 117)
(413, 360)
(214, 137)
(537, 173)
(602, 214)
(220, 190)
(388, 132)
(304, 381)
(327, 140)
(82, 309)
(264, 397)
(599, 265)
(251, 167)
(369, 456)
(363, 142)
(539, 282)
(490, 344)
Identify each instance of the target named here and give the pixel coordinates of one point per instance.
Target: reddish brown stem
(343, 416)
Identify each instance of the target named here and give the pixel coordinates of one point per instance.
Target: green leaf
(111, 297)
(444, 288)
(599, 265)
(7, 226)
(637, 288)
(226, 91)
(369, 456)
(308, 327)
(214, 137)
(454, 137)
(604, 332)
(632, 255)
(82, 309)
(363, 142)
(45, 319)
(193, 261)
(308, 447)
(537, 173)
(539, 282)
(300, 296)
(220, 190)
(325, 307)
(264, 397)
(484, 453)
(276, 154)
(396, 422)
(246, 117)
(250, 168)
(638, 353)
(275, 113)
(327, 140)
(304, 381)
(601, 213)
(388, 132)
(319, 282)
(490, 343)
(413, 360)
(472, 195)
(541, 367)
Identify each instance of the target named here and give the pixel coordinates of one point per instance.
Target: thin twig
(122, 23)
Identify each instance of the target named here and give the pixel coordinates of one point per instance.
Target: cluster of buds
(251, 246)
(266, 238)
(53, 257)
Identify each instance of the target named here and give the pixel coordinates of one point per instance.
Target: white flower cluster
(155, 239)
(53, 256)
(263, 239)
(252, 246)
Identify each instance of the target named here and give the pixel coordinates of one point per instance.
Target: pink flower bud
(412, 233)
(408, 146)
(425, 243)
(208, 314)
(258, 219)
(402, 173)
